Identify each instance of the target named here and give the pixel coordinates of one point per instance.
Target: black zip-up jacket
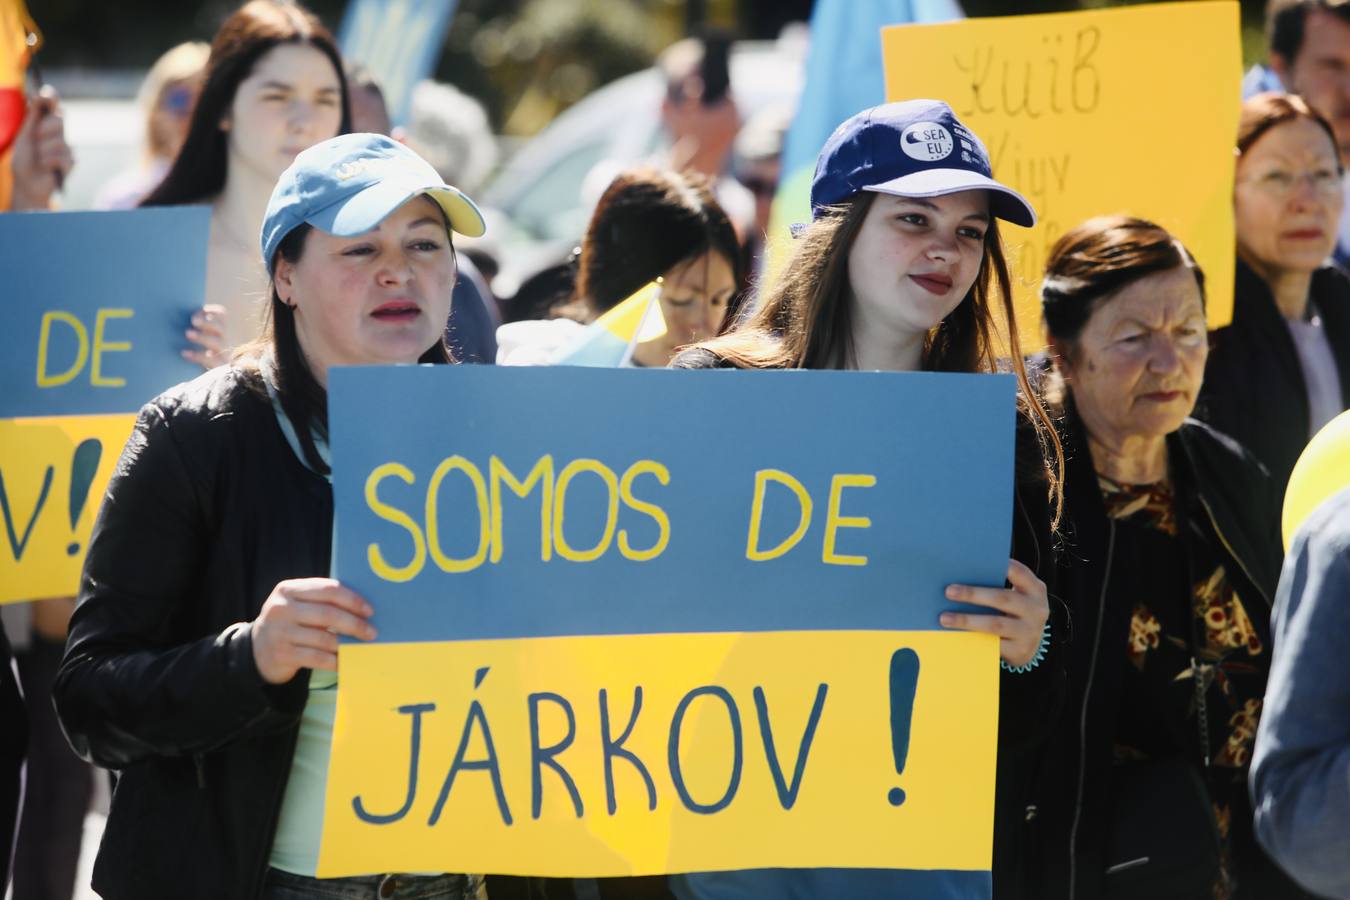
(1254, 388)
(1217, 485)
(13, 742)
(207, 510)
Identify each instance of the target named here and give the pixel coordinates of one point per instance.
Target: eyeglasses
(1279, 183)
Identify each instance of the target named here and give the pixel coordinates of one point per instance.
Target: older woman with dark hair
(1281, 369)
(1170, 567)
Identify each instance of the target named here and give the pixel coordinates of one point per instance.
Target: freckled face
(382, 297)
(915, 259)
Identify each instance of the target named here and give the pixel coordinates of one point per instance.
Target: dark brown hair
(803, 320)
(1287, 21)
(647, 222)
(198, 172)
(302, 398)
(1262, 112)
(1093, 261)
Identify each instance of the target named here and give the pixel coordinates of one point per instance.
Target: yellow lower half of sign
(54, 472)
(533, 756)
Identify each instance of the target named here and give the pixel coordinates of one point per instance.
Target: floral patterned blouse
(1195, 676)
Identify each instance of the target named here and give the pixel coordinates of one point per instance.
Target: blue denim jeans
(285, 886)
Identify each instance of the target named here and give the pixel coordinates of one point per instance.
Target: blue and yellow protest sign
(1095, 113)
(93, 319)
(692, 627)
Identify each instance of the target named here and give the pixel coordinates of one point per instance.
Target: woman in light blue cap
(202, 656)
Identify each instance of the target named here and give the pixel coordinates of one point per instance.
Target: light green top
(295, 848)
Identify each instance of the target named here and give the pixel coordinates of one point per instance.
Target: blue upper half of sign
(939, 446)
(95, 306)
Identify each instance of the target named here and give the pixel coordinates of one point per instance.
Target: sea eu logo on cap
(926, 142)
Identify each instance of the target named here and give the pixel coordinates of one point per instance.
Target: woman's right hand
(208, 334)
(298, 627)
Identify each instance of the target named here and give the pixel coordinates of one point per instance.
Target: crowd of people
(1174, 712)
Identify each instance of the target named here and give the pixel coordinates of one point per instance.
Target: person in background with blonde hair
(166, 98)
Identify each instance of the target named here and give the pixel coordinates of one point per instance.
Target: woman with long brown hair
(900, 270)
(273, 86)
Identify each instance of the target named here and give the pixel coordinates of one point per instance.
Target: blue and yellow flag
(610, 340)
(844, 74)
(15, 27)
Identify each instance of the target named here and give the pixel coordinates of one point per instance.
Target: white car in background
(542, 190)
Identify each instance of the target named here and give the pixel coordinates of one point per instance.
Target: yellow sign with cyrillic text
(1095, 113)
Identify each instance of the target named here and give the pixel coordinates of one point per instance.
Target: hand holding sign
(208, 333)
(298, 627)
(1025, 609)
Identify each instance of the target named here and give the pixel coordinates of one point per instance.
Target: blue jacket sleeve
(1300, 776)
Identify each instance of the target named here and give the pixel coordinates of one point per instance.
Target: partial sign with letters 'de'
(95, 305)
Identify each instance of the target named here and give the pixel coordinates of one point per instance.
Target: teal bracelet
(1035, 660)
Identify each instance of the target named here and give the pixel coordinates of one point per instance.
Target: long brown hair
(1094, 261)
(803, 321)
(198, 172)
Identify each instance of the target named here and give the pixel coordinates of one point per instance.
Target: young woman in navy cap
(897, 271)
(201, 655)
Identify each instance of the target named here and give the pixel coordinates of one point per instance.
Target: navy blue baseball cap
(347, 185)
(917, 148)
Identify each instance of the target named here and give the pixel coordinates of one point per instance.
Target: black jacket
(1254, 389)
(1030, 702)
(13, 743)
(207, 510)
(1218, 486)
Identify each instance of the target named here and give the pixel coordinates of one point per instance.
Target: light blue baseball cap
(347, 185)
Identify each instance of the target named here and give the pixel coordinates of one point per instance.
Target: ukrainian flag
(844, 75)
(15, 27)
(610, 340)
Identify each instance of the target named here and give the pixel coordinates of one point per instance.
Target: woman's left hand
(1025, 609)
